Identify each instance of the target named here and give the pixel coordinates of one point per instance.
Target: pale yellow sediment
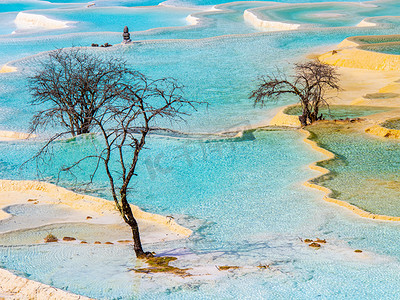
(393, 87)
(359, 75)
(350, 53)
(362, 59)
(13, 135)
(102, 211)
(347, 43)
(327, 191)
(379, 130)
(362, 72)
(7, 69)
(85, 202)
(283, 119)
(15, 287)
(357, 81)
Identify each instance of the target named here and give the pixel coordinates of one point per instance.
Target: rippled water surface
(243, 198)
(365, 170)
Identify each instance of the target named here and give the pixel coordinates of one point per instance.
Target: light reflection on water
(243, 199)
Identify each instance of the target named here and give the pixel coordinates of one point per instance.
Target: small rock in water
(308, 241)
(320, 241)
(97, 242)
(95, 45)
(109, 243)
(315, 245)
(358, 251)
(50, 238)
(83, 242)
(124, 241)
(89, 217)
(32, 200)
(263, 266)
(68, 238)
(225, 268)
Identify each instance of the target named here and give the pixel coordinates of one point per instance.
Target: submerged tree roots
(160, 264)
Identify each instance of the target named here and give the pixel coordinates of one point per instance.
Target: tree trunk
(306, 113)
(131, 221)
(313, 117)
(303, 120)
(137, 243)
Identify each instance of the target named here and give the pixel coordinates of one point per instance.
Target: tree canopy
(86, 93)
(76, 85)
(310, 83)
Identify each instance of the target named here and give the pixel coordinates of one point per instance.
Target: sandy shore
(14, 135)
(352, 53)
(377, 83)
(328, 192)
(7, 69)
(360, 87)
(99, 213)
(64, 207)
(25, 21)
(15, 287)
(80, 206)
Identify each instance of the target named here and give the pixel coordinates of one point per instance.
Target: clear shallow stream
(244, 199)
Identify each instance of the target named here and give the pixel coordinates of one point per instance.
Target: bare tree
(310, 83)
(75, 85)
(123, 126)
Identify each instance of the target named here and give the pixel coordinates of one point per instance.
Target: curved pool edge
(381, 131)
(252, 18)
(353, 53)
(314, 166)
(12, 285)
(81, 201)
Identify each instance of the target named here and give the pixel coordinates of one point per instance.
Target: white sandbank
(192, 20)
(7, 69)
(254, 20)
(101, 210)
(14, 135)
(283, 119)
(215, 8)
(15, 287)
(26, 21)
(365, 23)
(76, 209)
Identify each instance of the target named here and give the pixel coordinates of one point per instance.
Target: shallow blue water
(244, 199)
(330, 14)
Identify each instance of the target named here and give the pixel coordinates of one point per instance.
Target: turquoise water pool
(341, 111)
(366, 166)
(388, 48)
(331, 14)
(244, 199)
(392, 124)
